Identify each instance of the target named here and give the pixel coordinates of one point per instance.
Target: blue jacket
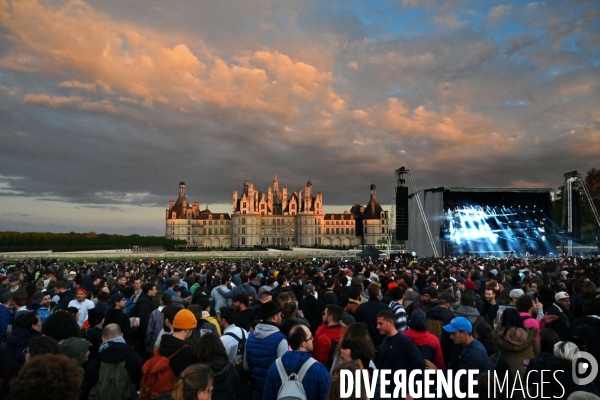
(263, 347)
(316, 381)
(6, 319)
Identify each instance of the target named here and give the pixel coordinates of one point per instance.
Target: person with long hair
(335, 387)
(515, 342)
(356, 330)
(289, 308)
(226, 381)
(195, 383)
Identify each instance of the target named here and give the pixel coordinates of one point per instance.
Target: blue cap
(459, 324)
(461, 278)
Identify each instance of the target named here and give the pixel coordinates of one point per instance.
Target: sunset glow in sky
(106, 105)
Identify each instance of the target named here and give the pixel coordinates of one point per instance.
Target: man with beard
(560, 308)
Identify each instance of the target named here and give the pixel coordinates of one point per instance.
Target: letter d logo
(584, 367)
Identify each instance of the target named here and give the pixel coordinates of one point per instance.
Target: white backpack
(292, 389)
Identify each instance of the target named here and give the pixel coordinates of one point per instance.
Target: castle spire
(275, 184)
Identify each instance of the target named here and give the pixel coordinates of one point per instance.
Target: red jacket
(426, 338)
(322, 344)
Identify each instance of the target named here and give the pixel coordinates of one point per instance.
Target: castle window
(227, 231)
(210, 217)
(327, 231)
(244, 241)
(262, 206)
(293, 206)
(243, 221)
(221, 231)
(243, 231)
(347, 231)
(222, 216)
(337, 231)
(382, 230)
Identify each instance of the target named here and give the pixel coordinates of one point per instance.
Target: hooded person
(264, 346)
(427, 343)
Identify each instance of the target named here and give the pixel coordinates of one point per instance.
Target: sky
(106, 105)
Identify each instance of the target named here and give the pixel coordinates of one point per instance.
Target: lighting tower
(570, 177)
(400, 181)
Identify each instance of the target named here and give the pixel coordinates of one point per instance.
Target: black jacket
(226, 380)
(169, 345)
(113, 354)
(561, 325)
(142, 309)
(118, 317)
(65, 299)
(367, 313)
(313, 311)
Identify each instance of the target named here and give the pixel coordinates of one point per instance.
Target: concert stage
(481, 221)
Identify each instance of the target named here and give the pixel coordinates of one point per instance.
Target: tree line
(39, 241)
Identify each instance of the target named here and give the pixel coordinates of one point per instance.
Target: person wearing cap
(205, 320)
(265, 345)
(560, 308)
(183, 325)
(83, 304)
(473, 355)
(467, 310)
(436, 315)
(311, 308)
(116, 316)
(514, 295)
(13, 284)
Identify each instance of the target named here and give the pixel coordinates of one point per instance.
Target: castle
(275, 219)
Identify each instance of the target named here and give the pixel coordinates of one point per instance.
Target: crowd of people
(270, 329)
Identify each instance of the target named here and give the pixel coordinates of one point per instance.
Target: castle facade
(277, 218)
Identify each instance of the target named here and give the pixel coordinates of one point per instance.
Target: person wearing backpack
(234, 338)
(160, 372)
(115, 373)
(296, 375)
(328, 335)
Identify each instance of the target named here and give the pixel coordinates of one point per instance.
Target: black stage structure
(482, 221)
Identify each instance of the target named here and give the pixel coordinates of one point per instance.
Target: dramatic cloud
(106, 105)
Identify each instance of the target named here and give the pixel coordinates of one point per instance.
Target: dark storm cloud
(144, 96)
